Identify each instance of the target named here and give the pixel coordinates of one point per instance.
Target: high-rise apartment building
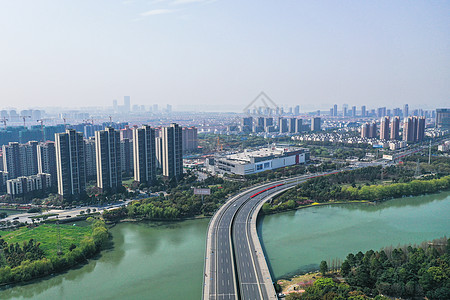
(315, 124)
(297, 110)
(443, 118)
(299, 127)
(109, 168)
(420, 133)
(90, 158)
(292, 125)
(190, 139)
(414, 129)
(70, 164)
(353, 111)
(172, 157)
(373, 130)
(20, 159)
(283, 125)
(247, 124)
(395, 128)
(46, 154)
(144, 155)
(365, 130)
(363, 111)
(126, 156)
(405, 111)
(126, 133)
(384, 128)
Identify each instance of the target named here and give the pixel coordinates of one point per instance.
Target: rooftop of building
(273, 151)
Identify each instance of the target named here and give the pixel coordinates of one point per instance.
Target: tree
(323, 268)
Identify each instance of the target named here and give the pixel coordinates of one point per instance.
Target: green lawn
(47, 235)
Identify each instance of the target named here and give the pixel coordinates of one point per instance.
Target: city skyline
(188, 53)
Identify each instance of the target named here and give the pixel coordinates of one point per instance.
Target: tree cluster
(359, 184)
(407, 273)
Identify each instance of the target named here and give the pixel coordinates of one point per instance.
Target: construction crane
(24, 118)
(3, 120)
(42, 126)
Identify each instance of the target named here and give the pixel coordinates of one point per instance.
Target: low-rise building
(251, 162)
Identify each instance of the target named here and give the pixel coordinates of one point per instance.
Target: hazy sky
(224, 52)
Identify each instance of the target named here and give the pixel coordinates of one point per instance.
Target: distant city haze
(219, 55)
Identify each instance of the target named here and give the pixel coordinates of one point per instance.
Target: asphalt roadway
(232, 251)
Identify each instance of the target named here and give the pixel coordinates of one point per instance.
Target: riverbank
(36, 251)
(333, 189)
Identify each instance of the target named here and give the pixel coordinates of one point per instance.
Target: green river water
(165, 260)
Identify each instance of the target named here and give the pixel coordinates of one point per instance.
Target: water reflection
(42, 284)
(296, 241)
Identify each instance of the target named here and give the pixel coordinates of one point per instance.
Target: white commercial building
(251, 162)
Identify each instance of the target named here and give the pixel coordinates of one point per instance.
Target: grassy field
(47, 235)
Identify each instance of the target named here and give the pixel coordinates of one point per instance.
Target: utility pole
(59, 237)
(417, 173)
(429, 154)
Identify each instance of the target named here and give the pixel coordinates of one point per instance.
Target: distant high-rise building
(126, 156)
(297, 110)
(408, 134)
(395, 128)
(443, 118)
(373, 130)
(405, 111)
(108, 160)
(381, 112)
(190, 139)
(144, 155)
(299, 127)
(344, 110)
(365, 130)
(268, 122)
(384, 128)
(397, 112)
(115, 107)
(172, 157)
(247, 124)
(353, 111)
(126, 133)
(127, 103)
(11, 160)
(414, 129)
(292, 125)
(46, 154)
(90, 157)
(158, 151)
(315, 124)
(70, 164)
(20, 159)
(420, 133)
(283, 125)
(335, 110)
(363, 111)
(169, 108)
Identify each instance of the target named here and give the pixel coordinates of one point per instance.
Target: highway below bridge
(235, 266)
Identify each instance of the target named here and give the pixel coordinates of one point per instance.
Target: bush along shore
(366, 184)
(53, 249)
